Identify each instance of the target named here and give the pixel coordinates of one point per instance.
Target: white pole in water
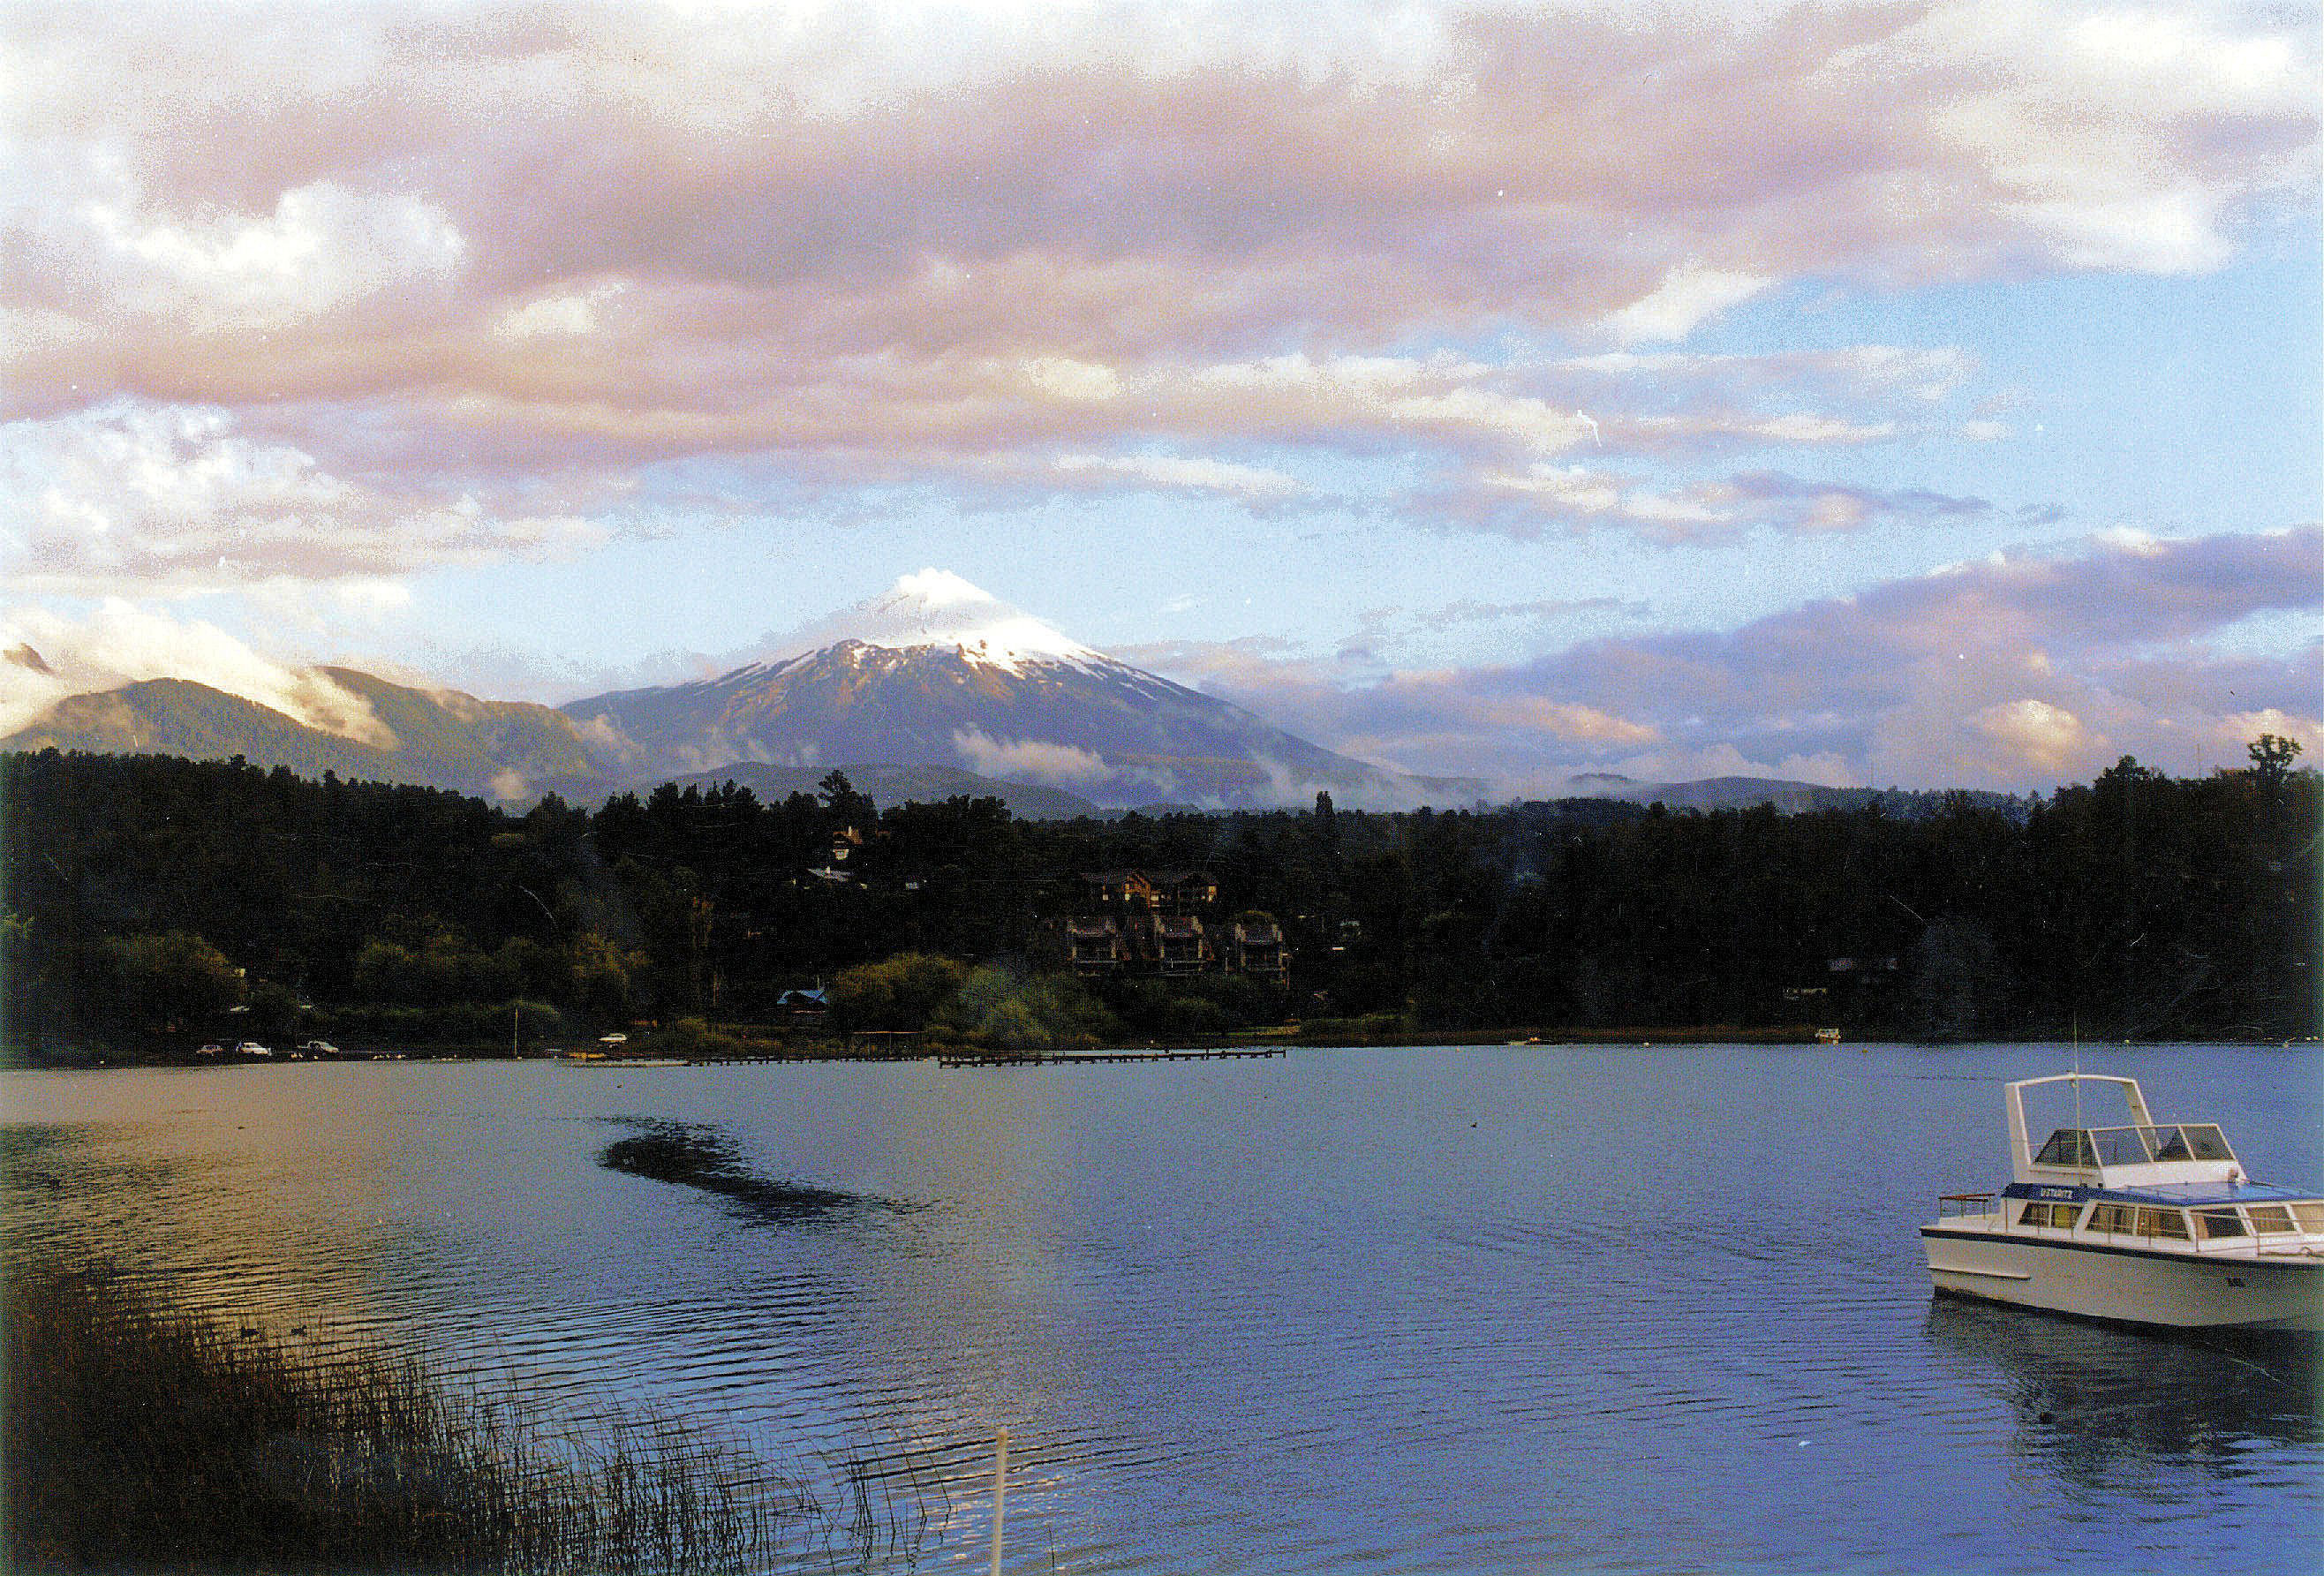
(1000, 1487)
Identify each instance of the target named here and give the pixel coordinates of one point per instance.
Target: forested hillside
(147, 897)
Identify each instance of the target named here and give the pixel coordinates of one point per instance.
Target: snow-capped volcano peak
(935, 672)
(937, 607)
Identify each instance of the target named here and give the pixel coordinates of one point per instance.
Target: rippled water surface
(1477, 1310)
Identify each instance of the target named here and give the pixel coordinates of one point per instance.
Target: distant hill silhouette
(888, 783)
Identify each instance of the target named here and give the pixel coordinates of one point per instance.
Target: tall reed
(143, 1437)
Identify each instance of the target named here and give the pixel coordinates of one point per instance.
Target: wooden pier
(1051, 1059)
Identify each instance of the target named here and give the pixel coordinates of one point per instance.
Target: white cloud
(1926, 373)
(1679, 514)
(2015, 673)
(330, 606)
(403, 254)
(605, 733)
(1192, 475)
(1030, 759)
(320, 247)
(2038, 733)
(1074, 382)
(1058, 765)
(132, 496)
(120, 643)
(565, 315)
(1567, 720)
(1568, 486)
(1689, 295)
(1826, 769)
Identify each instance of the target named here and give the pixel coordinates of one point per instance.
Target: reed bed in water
(141, 1437)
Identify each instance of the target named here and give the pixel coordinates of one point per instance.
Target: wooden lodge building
(1166, 922)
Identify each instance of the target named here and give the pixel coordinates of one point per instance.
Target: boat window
(2207, 1142)
(2113, 1218)
(2172, 1145)
(2269, 1218)
(2121, 1146)
(2059, 1215)
(2310, 1217)
(2067, 1146)
(2218, 1224)
(2162, 1223)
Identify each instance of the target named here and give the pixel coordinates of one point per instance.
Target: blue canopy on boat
(2170, 1195)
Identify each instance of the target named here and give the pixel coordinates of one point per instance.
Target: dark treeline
(148, 897)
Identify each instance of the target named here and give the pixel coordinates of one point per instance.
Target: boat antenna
(2081, 1136)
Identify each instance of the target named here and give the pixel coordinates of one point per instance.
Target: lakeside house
(1163, 923)
(802, 1005)
(1179, 945)
(1258, 949)
(1096, 947)
(1176, 893)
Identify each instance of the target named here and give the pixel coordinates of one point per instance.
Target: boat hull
(2179, 1291)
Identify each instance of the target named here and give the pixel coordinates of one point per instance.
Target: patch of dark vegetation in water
(693, 1155)
(72, 1159)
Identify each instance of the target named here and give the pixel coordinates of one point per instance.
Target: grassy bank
(141, 1437)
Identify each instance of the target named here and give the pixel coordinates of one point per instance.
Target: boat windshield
(2083, 1147)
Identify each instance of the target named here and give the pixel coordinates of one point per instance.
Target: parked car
(252, 1049)
(318, 1048)
(211, 1049)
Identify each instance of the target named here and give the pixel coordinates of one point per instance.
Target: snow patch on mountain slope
(936, 608)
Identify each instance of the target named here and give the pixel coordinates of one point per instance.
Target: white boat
(2146, 1222)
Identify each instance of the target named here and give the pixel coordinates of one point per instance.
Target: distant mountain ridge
(1721, 793)
(939, 672)
(498, 750)
(940, 686)
(1738, 793)
(932, 689)
(515, 751)
(510, 752)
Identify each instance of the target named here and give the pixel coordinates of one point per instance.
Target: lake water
(1468, 1310)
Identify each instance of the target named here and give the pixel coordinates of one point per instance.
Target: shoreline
(887, 1048)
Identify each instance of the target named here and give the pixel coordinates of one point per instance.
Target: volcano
(937, 672)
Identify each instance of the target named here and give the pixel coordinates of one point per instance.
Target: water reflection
(57, 1157)
(2099, 1405)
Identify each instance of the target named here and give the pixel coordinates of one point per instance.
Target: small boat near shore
(2144, 1223)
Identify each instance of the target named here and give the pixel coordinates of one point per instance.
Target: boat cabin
(2164, 1184)
(2138, 1152)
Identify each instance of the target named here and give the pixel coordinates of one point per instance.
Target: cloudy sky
(1922, 393)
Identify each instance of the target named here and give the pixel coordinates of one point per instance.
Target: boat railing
(1958, 1205)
